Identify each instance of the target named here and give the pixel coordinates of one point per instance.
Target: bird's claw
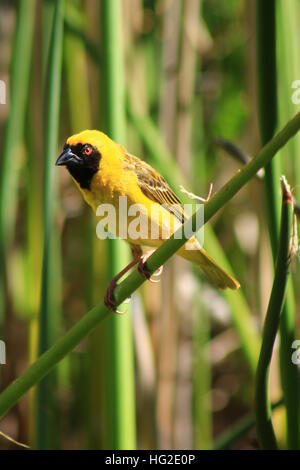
(109, 300)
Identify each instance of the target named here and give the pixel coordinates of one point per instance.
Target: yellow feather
(122, 174)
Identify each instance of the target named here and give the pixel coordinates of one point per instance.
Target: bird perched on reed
(104, 171)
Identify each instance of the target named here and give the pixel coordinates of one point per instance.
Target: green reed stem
(288, 70)
(125, 289)
(77, 81)
(267, 106)
(264, 426)
(47, 314)
(121, 432)
(162, 159)
(267, 102)
(19, 81)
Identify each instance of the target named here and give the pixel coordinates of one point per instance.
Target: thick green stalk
(11, 395)
(288, 370)
(50, 358)
(77, 81)
(21, 60)
(48, 11)
(163, 161)
(267, 102)
(47, 315)
(264, 426)
(33, 250)
(288, 70)
(121, 432)
(267, 107)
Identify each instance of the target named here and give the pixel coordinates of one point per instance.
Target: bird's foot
(109, 300)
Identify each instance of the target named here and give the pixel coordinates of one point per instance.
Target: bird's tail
(217, 276)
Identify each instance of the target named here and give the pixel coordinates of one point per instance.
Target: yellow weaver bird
(104, 171)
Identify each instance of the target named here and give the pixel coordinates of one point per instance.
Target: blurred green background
(166, 78)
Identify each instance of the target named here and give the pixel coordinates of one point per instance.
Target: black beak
(67, 157)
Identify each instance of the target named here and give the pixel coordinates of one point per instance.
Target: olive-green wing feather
(154, 186)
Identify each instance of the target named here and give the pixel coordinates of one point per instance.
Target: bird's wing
(154, 186)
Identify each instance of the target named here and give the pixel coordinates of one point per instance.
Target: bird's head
(82, 154)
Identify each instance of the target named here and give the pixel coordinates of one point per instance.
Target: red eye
(87, 150)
